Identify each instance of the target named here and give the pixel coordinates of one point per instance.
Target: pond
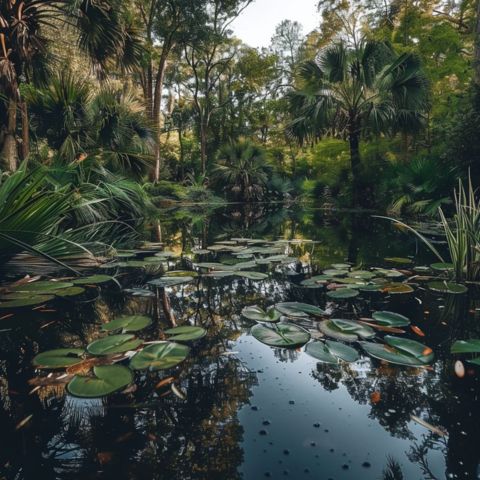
(224, 402)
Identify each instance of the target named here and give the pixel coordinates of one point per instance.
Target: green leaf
(114, 344)
(180, 273)
(127, 323)
(186, 333)
(342, 294)
(59, 358)
(341, 266)
(257, 314)
(442, 266)
(283, 335)
(105, 380)
(399, 260)
(93, 280)
(466, 346)
(332, 352)
(298, 309)
(159, 356)
(252, 275)
(447, 287)
(390, 319)
(318, 281)
(29, 301)
(164, 282)
(362, 274)
(320, 351)
(43, 286)
(345, 330)
(395, 288)
(70, 292)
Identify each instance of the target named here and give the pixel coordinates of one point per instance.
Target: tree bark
(476, 57)
(355, 162)
(25, 130)
(9, 153)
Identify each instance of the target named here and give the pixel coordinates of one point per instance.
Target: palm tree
(242, 169)
(104, 30)
(355, 90)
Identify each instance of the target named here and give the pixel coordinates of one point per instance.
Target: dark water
(249, 411)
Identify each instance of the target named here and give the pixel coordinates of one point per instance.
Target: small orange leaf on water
(427, 351)
(375, 397)
(417, 330)
(164, 382)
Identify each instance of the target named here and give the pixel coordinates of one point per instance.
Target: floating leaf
(259, 315)
(164, 282)
(58, 358)
(275, 259)
(44, 286)
(93, 280)
(342, 294)
(346, 330)
(341, 266)
(336, 273)
(318, 281)
(282, 335)
(397, 288)
(70, 292)
(466, 346)
(139, 292)
(28, 301)
(180, 273)
(442, 267)
(159, 356)
(114, 344)
(186, 333)
(200, 251)
(106, 379)
(298, 309)
(390, 319)
(400, 351)
(362, 274)
(401, 260)
(252, 275)
(128, 323)
(332, 352)
(213, 266)
(447, 287)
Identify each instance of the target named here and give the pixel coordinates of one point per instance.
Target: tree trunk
(9, 154)
(203, 146)
(355, 162)
(25, 130)
(476, 57)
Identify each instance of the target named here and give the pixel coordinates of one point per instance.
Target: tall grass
(462, 233)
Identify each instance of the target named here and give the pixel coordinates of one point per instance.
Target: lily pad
(105, 380)
(128, 323)
(342, 294)
(362, 274)
(275, 259)
(186, 333)
(283, 335)
(335, 273)
(318, 281)
(466, 346)
(252, 275)
(114, 344)
(447, 287)
(70, 292)
(159, 356)
(400, 351)
(43, 286)
(164, 282)
(180, 273)
(28, 301)
(442, 267)
(396, 288)
(58, 358)
(332, 352)
(399, 260)
(298, 309)
(345, 330)
(139, 292)
(341, 266)
(93, 280)
(390, 319)
(257, 314)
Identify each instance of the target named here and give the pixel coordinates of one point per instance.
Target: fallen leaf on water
(178, 392)
(47, 310)
(417, 330)
(48, 324)
(429, 426)
(8, 315)
(375, 397)
(164, 382)
(383, 328)
(459, 369)
(23, 422)
(427, 351)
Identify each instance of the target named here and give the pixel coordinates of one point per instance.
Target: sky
(256, 25)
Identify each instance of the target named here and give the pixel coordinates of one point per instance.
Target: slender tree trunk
(476, 58)
(182, 152)
(203, 145)
(9, 154)
(157, 105)
(355, 162)
(25, 130)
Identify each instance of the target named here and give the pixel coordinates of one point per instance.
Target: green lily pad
(341, 266)
(70, 292)
(390, 319)
(442, 267)
(345, 330)
(29, 301)
(399, 260)
(58, 358)
(396, 288)
(106, 379)
(200, 251)
(466, 346)
(400, 351)
(257, 314)
(342, 294)
(114, 344)
(186, 333)
(252, 275)
(318, 281)
(332, 352)
(139, 292)
(127, 323)
(275, 259)
(283, 335)
(362, 274)
(335, 273)
(180, 273)
(298, 309)
(93, 280)
(243, 265)
(44, 286)
(447, 287)
(160, 356)
(213, 266)
(164, 282)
